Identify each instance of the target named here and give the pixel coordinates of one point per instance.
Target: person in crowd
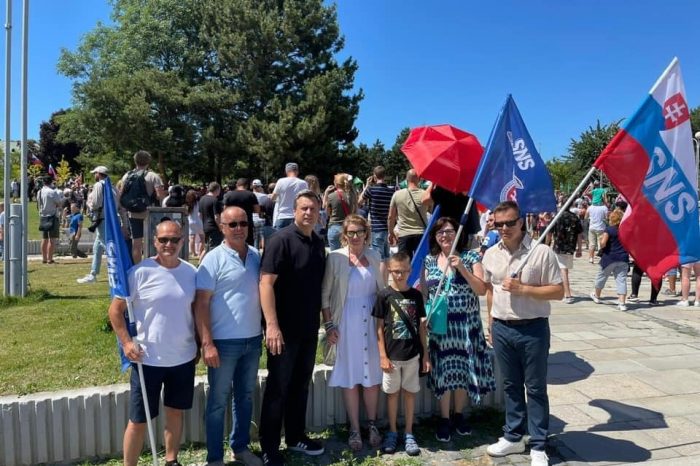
(671, 277)
(490, 236)
(460, 365)
(242, 197)
(598, 195)
(154, 191)
(262, 220)
(292, 271)
(163, 292)
(340, 203)
(315, 186)
(49, 202)
(686, 271)
(95, 204)
(377, 197)
(567, 243)
(409, 211)
(613, 261)
(209, 209)
(228, 316)
(401, 338)
(194, 222)
(597, 215)
(284, 194)
(350, 284)
(453, 205)
(520, 331)
(75, 230)
(637, 274)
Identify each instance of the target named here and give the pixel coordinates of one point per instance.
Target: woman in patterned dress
(461, 366)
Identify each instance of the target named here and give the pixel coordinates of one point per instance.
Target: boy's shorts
(404, 375)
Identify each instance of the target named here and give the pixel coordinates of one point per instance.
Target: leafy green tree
(63, 172)
(585, 150)
(562, 173)
(395, 161)
(51, 149)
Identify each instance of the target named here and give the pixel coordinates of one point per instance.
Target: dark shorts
(409, 244)
(54, 232)
(213, 238)
(178, 389)
(136, 225)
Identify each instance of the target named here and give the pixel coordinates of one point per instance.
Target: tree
(395, 161)
(51, 149)
(584, 151)
(63, 173)
(213, 88)
(562, 173)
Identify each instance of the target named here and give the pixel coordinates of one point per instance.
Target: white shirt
(286, 190)
(597, 214)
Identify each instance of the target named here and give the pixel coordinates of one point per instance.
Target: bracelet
(329, 325)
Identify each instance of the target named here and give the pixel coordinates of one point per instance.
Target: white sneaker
(89, 278)
(621, 307)
(697, 302)
(683, 303)
(538, 458)
(504, 447)
(595, 298)
(568, 300)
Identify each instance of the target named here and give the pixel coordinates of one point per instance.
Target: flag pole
(144, 394)
(563, 209)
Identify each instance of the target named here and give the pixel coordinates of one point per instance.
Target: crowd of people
(278, 262)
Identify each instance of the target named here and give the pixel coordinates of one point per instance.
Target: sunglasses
(169, 239)
(356, 233)
(509, 223)
(242, 224)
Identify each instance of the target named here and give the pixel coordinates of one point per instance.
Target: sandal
(355, 441)
(375, 438)
(390, 441)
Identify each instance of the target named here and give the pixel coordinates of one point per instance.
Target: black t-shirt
(400, 345)
(299, 262)
(453, 205)
(209, 206)
(246, 200)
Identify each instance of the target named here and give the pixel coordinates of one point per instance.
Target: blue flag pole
(118, 265)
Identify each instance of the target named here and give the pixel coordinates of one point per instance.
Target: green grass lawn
(33, 225)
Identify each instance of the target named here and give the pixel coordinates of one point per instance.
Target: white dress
(357, 359)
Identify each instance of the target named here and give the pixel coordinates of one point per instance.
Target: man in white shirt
(598, 216)
(284, 194)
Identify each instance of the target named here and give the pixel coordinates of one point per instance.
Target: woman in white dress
(196, 228)
(350, 286)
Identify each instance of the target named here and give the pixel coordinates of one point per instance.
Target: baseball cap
(100, 169)
(256, 183)
(291, 166)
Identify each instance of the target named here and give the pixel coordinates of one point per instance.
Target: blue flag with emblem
(118, 259)
(511, 169)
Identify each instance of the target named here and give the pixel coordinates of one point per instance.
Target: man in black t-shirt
(292, 269)
(209, 209)
(246, 200)
(452, 205)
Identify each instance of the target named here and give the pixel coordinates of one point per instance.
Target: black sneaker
(172, 463)
(273, 458)
(306, 446)
(442, 434)
(461, 425)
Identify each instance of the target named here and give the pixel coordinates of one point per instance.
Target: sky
(567, 63)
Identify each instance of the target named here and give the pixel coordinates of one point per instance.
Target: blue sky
(568, 63)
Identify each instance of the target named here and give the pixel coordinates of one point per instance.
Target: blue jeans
(238, 369)
(334, 233)
(521, 352)
(98, 248)
(380, 243)
(283, 222)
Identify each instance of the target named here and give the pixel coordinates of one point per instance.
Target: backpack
(135, 197)
(177, 197)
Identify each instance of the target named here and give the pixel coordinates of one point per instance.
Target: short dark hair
(432, 240)
(507, 205)
(401, 256)
(213, 186)
(379, 172)
(242, 182)
(307, 193)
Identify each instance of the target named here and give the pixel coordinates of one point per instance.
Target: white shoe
(504, 447)
(595, 298)
(683, 303)
(89, 278)
(697, 302)
(538, 458)
(621, 307)
(568, 300)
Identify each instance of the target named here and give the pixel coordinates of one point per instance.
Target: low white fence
(88, 423)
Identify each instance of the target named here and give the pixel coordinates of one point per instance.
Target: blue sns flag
(118, 259)
(511, 169)
(423, 249)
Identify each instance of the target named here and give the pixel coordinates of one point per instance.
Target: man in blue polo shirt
(378, 195)
(292, 271)
(228, 316)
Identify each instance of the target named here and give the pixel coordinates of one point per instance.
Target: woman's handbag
(47, 222)
(436, 310)
(327, 350)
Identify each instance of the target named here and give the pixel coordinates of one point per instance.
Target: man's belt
(519, 322)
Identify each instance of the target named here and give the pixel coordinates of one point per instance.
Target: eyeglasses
(399, 272)
(242, 224)
(508, 223)
(355, 233)
(169, 239)
(446, 232)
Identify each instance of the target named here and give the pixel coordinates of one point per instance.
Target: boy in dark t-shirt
(402, 339)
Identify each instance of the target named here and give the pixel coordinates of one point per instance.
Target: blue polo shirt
(235, 305)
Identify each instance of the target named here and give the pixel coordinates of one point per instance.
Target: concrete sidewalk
(624, 387)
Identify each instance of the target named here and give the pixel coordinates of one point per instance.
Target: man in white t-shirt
(598, 216)
(162, 294)
(284, 194)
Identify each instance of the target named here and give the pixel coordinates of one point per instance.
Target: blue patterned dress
(459, 358)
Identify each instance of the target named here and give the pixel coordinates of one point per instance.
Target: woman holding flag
(459, 360)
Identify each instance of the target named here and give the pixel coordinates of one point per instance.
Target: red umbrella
(445, 155)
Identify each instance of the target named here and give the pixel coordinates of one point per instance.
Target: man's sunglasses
(509, 223)
(169, 239)
(242, 224)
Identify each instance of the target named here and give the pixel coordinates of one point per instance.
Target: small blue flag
(423, 249)
(118, 260)
(511, 169)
